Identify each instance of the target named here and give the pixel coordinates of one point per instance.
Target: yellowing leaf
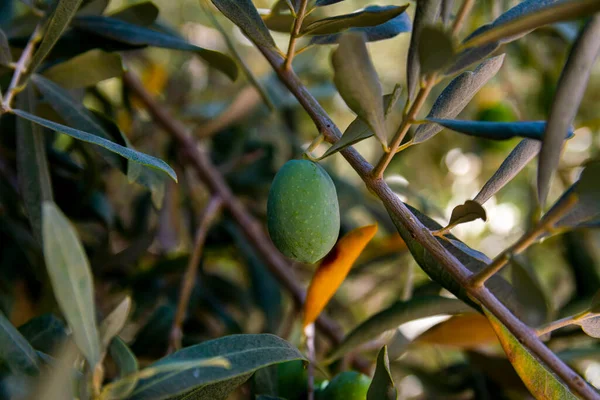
(539, 380)
(333, 270)
(466, 331)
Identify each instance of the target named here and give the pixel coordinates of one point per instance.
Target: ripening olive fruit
(349, 385)
(303, 214)
(292, 380)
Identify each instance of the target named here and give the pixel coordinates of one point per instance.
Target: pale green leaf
(244, 15)
(114, 322)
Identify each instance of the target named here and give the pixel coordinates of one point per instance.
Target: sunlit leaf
(15, 352)
(425, 14)
(467, 212)
(143, 13)
(382, 385)
(467, 331)
(107, 144)
(569, 92)
(540, 381)
(396, 315)
(360, 19)
(114, 322)
(244, 15)
(498, 130)
(387, 30)
(357, 81)
(436, 49)
(71, 279)
(455, 97)
(122, 31)
(518, 158)
(60, 18)
(245, 353)
(333, 270)
(97, 64)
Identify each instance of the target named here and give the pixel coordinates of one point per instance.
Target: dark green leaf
(125, 32)
(127, 364)
(97, 64)
(5, 54)
(569, 92)
(359, 19)
(45, 333)
(455, 97)
(498, 130)
(529, 293)
(395, 315)
(60, 18)
(518, 158)
(382, 385)
(595, 305)
(467, 212)
(32, 165)
(93, 7)
(358, 130)
(244, 15)
(436, 49)
(387, 30)
(71, 279)
(15, 351)
(570, 356)
(320, 3)
(89, 138)
(215, 391)
(246, 354)
(357, 81)
(425, 14)
(143, 13)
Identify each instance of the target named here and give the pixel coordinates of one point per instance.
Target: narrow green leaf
(97, 64)
(359, 19)
(32, 165)
(114, 322)
(518, 158)
(435, 48)
(382, 385)
(321, 3)
(71, 279)
(395, 315)
(498, 130)
(60, 18)
(540, 381)
(127, 365)
(569, 92)
(45, 333)
(529, 292)
(245, 353)
(358, 130)
(425, 14)
(467, 212)
(5, 54)
(215, 391)
(143, 13)
(125, 32)
(89, 138)
(244, 15)
(357, 81)
(556, 11)
(15, 351)
(455, 97)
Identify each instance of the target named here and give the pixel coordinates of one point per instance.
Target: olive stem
(309, 332)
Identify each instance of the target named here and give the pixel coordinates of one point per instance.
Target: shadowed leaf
(45, 333)
(436, 49)
(498, 130)
(529, 292)
(569, 92)
(467, 331)
(587, 208)
(395, 315)
(360, 19)
(382, 385)
(595, 304)
(387, 30)
(125, 32)
(333, 270)
(127, 364)
(244, 15)
(143, 13)
(539, 380)
(357, 81)
(455, 97)
(321, 3)
(71, 279)
(467, 212)
(97, 64)
(15, 351)
(5, 55)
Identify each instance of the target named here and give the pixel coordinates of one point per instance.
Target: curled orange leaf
(466, 331)
(333, 270)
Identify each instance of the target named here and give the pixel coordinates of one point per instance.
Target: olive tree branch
(400, 213)
(561, 323)
(462, 15)
(295, 34)
(189, 277)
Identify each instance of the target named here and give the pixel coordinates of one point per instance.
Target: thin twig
(464, 11)
(21, 68)
(295, 34)
(561, 323)
(402, 215)
(522, 244)
(189, 278)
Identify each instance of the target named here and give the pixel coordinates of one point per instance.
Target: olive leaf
(15, 352)
(467, 212)
(358, 84)
(529, 292)
(99, 66)
(5, 54)
(382, 385)
(246, 17)
(143, 13)
(591, 326)
(435, 48)
(498, 130)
